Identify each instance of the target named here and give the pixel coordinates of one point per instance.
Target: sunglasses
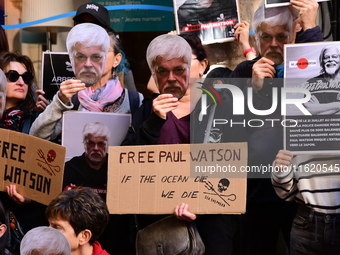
(13, 76)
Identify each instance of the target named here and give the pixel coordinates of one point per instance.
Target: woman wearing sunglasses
(18, 115)
(20, 96)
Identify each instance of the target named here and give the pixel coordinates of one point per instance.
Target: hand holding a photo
(308, 12)
(242, 34)
(68, 88)
(264, 68)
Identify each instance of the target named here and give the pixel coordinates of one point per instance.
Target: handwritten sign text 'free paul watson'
(34, 165)
(153, 179)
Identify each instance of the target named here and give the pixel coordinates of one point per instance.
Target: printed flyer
(313, 97)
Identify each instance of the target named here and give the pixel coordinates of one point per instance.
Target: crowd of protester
(282, 205)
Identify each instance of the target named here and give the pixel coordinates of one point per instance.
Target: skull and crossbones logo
(223, 185)
(47, 161)
(51, 156)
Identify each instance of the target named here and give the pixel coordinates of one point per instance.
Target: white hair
(3, 88)
(44, 241)
(275, 16)
(169, 47)
(96, 129)
(88, 35)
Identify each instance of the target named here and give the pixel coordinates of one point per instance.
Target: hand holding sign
(15, 196)
(183, 213)
(308, 10)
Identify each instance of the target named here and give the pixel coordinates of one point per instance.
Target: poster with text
(75, 121)
(312, 92)
(153, 179)
(211, 21)
(34, 165)
(56, 68)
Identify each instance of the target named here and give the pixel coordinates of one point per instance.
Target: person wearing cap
(93, 13)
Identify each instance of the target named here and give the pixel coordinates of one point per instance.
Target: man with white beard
(90, 169)
(330, 62)
(326, 98)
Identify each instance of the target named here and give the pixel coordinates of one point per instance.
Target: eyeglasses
(83, 58)
(279, 38)
(165, 72)
(13, 76)
(93, 144)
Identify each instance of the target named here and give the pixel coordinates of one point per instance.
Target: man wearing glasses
(90, 169)
(266, 214)
(87, 45)
(164, 118)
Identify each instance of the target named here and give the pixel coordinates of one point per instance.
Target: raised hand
(163, 104)
(68, 88)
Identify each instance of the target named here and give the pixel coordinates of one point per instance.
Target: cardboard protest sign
(74, 122)
(212, 22)
(313, 96)
(56, 68)
(153, 179)
(34, 165)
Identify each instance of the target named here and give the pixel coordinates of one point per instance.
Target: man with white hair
(169, 59)
(87, 50)
(87, 45)
(325, 99)
(330, 62)
(266, 214)
(165, 118)
(90, 169)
